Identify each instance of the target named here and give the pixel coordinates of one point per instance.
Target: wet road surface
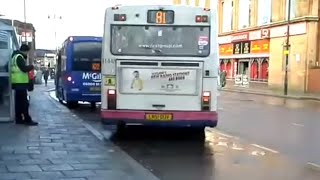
(181, 154)
(286, 125)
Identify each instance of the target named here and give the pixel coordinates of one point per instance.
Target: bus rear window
(160, 40)
(87, 56)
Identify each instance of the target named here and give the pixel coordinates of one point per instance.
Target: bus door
(86, 64)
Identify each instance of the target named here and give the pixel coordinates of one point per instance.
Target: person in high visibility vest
(20, 83)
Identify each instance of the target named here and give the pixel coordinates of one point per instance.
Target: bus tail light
(112, 99)
(120, 17)
(206, 101)
(115, 8)
(202, 19)
(70, 80)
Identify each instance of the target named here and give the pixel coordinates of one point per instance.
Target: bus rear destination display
(161, 16)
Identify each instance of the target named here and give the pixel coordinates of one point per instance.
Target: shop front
(243, 56)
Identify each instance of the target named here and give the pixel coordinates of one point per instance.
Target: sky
(79, 17)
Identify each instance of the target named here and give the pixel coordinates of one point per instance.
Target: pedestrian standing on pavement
(223, 80)
(20, 84)
(45, 76)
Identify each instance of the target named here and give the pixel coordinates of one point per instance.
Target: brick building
(252, 35)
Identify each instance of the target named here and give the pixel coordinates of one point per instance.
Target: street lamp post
(25, 21)
(55, 18)
(287, 48)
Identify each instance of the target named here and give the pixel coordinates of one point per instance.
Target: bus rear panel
(158, 74)
(80, 70)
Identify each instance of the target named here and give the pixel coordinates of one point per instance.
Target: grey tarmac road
(285, 125)
(173, 154)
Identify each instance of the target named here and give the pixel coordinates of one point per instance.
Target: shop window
(222, 66)
(264, 70)
(229, 69)
(254, 71)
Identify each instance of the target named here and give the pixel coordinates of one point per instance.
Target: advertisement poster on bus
(159, 81)
(92, 81)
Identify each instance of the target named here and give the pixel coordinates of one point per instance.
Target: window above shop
(292, 9)
(227, 15)
(245, 14)
(264, 12)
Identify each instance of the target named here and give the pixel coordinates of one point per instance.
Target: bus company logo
(95, 77)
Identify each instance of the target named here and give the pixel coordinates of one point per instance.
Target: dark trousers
(46, 81)
(1, 94)
(22, 105)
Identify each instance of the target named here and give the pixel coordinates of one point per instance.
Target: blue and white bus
(78, 76)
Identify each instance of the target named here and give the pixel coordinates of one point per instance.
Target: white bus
(160, 66)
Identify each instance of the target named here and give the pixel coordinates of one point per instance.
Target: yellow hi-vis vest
(18, 76)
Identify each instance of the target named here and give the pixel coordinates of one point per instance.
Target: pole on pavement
(55, 18)
(25, 21)
(287, 49)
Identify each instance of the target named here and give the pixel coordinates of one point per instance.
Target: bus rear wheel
(93, 105)
(72, 104)
(121, 128)
(199, 133)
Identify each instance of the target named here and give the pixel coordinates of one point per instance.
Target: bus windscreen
(86, 56)
(193, 41)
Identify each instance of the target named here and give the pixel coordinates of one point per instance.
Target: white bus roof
(184, 15)
(159, 7)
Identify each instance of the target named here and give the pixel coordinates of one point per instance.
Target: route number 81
(161, 17)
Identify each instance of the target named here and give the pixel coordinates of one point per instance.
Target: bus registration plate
(159, 117)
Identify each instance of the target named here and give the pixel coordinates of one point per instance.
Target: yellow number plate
(159, 117)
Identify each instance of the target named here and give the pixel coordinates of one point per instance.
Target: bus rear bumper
(75, 96)
(180, 118)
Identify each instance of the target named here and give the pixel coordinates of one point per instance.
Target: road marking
(258, 153)
(265, 148)
(297, 124)
(235, 147)
(222, 134)
(222, 144)
(313, 166)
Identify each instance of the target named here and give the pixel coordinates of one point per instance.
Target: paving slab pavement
(61, 147)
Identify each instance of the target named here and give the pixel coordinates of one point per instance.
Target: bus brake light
(120, 17)
(198, 19)
(202, 19)
(115, 8)
(112, 99)
(111, 91)
(206, 98)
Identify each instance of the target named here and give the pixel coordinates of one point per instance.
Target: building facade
(252, 39)
(29, 34)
